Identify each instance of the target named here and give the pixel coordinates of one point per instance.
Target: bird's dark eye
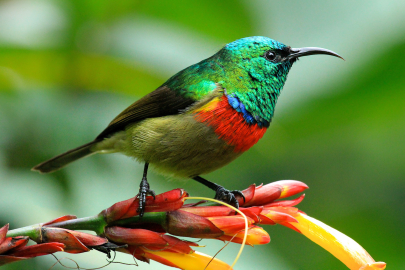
(270, 55)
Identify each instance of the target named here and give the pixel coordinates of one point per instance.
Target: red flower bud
(60, 219)
(174, 245)
(168, 201)
(17, 251)
(290, 187)
(209, 211)
(139, 237)
(187, 224)
(273, 191)
(230, 224)
(13, 243)
(272, 217)
(264, 194)
(75, 242)
(287, 203)
(39, 250)
(252, 212)
(3, 233)
(248, 193)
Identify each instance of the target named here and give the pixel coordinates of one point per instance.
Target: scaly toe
(229, 197)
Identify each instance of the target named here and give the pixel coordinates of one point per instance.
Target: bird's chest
(229, 124)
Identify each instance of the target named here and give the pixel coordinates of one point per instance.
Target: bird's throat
(229, 124)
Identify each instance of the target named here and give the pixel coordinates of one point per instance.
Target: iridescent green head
(256, 69)
(258, 55)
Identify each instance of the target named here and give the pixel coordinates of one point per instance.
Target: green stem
(33, 231)
(150, 217)
(94, 223)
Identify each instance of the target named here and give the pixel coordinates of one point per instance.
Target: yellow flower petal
(193, 261)
(256, 236)
(339, 245)
(374, 266)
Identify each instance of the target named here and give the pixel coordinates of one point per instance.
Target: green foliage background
(67, 67)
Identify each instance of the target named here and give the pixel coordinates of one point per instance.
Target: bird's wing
(161, 102)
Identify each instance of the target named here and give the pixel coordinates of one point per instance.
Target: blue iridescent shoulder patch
(239, 107)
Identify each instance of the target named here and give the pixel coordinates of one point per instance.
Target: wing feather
(161, 102)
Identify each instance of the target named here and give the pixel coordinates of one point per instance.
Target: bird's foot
(144, 190)
(228, 196)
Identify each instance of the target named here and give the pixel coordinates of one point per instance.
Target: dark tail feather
(64, 159)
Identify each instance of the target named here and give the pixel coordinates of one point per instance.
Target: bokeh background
(68, 67)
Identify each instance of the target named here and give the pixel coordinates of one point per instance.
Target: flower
(192, 261)
(145, 245)
(262, 195)
(339, 245)
(148, 238)
(228, 228)
(75, 242)
(14, 249)
(167, 201)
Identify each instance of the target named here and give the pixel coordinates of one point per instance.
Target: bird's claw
(144, 191)
(228, 196)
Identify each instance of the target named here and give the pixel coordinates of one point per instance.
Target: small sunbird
(202, 118)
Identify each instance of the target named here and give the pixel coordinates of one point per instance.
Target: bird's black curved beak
(298, 52)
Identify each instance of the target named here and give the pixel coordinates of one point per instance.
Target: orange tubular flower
(192, 261)
(234, 230)
(145, 245)
(339, 245)
(255, 236)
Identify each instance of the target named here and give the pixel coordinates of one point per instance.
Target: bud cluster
(166, 217)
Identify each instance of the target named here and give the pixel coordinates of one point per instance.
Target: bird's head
(256, 69)
(262, 56)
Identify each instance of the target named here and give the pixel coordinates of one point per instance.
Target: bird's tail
(64, 159)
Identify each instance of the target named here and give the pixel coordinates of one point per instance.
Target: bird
(200, 119)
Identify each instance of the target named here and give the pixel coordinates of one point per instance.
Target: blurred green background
(67, 67)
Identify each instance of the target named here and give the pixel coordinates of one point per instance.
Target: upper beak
(297, 52)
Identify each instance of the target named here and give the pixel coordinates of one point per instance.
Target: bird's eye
(270, 55)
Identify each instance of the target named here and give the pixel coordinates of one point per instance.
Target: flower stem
(94, 223)
(33, 231)
(149, 217)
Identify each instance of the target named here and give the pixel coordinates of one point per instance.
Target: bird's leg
(222, 194)
(144, 191)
